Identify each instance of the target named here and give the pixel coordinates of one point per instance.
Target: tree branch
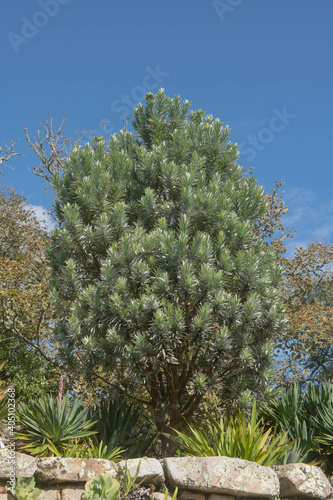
(7, 155)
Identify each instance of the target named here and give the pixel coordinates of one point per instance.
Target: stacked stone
(210, 478)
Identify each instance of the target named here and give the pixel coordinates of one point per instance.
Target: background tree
(306, 349)
(25, 310)
(307, 293)
(271, 227)
(158, 277)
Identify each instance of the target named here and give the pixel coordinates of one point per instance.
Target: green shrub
(307, 417)
(287, 413)
(236, 436)
(102, 487)
(126, 480)
(117, 426)
(88, 449)
(49, 428)
(25, 489)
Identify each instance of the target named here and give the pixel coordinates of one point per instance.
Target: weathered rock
(216, 496)
(50, 494)
(222, 475)
(150, 472)
(25, 465)
(302, 480)
(71, 493)
(191, 495)
(158, 495)
(57, 469)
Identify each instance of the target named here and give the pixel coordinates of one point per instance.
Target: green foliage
(316, 395)
(48, 428)
(303, 435)
(306, 415)
(102, 487)
(319, 405)
(287, 413)
(307, 293)
(25, 310)
(324, 423)
(125, 479)
(88, 449)
(174, 496)
(236, 436)
(159, 280)
(117, 426)
(104, 451)
(25, 489)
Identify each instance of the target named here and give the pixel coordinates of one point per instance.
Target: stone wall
(211, 478)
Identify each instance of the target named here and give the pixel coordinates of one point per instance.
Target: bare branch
(51, 148)
(7, 154)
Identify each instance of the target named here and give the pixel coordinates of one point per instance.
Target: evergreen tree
(160, 284)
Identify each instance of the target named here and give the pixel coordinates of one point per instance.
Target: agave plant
(285, 408)
(303, 448)
(49, 427)
(319, 405)
(324, 423)
(288, 414)
(318, 395)
(304, 415)
(236, 437)
(118, 426)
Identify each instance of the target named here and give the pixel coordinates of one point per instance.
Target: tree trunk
(167, 423)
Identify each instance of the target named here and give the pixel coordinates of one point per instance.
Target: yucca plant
(283, 409)
(324, 425)
(318, 395)
(303, 448)
(49, 427)
(287, 413)
(236, 436)
(117, 426)
(305, 415)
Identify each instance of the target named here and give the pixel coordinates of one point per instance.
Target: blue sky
(262, 67)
